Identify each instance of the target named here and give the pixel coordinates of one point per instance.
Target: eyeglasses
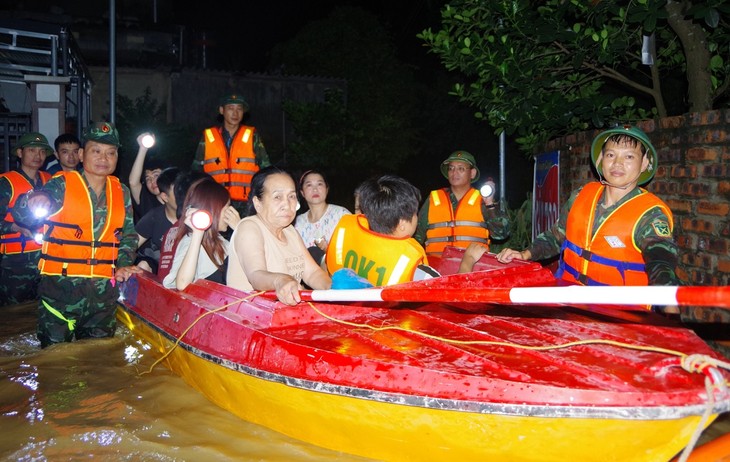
(459, 168)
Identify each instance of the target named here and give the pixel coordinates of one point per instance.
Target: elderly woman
(267, 253)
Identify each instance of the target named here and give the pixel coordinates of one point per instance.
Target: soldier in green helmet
(89, 242)
(612, 231)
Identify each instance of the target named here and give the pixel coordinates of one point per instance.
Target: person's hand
(287, 289)
(321, 242)
(189, 217)
(489, 200)
(231, 217)
(124, 273)
(507, 255)
(144, 266)
(475, 251)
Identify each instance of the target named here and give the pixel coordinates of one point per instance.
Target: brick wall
(693, 178)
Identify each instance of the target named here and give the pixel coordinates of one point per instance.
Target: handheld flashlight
(486, 190)
(38, 238)
(201, 220)
(148, 141)
(40, 212)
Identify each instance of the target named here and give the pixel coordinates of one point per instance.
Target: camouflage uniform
(659, 251)
(19, 274)
(81, 307)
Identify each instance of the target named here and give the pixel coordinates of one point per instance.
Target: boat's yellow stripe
(406, 433)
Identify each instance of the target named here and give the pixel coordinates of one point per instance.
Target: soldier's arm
(422, 226)
(128, 238)
(6, 193)
(548, 243)
(259, 150)
(49, 197)
(656, 241)
(497, 221)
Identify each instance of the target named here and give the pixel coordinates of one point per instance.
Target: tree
(542, 69)
(368, 127)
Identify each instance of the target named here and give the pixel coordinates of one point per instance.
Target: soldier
(459, 215)
(19, 252)
(232, 153)
(612, 232)
(89, 243)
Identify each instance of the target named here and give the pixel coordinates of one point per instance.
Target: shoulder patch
(661, 228)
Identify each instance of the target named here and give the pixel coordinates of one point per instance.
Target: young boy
(19, 252)
(89, 243)
(377, 245)
(155, 223)
(612, 232)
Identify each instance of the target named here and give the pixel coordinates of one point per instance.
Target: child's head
(390, 204)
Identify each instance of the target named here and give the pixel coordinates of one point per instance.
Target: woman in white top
(267, 253)
(317, 224)
(189, 264)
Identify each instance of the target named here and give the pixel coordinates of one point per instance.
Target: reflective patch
(615, 242)
(661, 228)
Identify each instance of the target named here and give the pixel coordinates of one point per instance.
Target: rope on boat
(692, 363)
(179, 338)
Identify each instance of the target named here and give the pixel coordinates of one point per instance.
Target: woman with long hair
(210, 201)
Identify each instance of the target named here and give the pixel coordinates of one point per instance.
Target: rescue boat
(414, 380)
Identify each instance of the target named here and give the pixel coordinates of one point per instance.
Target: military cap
(460, 156)
(34, 139)
(234, 98)
(102, 132)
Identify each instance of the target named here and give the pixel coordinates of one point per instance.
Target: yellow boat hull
(402, 432)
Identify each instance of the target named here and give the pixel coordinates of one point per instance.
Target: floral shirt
(324, 227)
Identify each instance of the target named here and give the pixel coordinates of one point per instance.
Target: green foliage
(370, 127)
(174, 146)
(539, 70)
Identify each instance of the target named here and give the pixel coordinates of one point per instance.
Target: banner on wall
(545, 192)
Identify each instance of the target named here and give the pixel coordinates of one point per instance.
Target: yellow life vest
(381, 259)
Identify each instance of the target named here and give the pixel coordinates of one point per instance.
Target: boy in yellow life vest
(612, 231)
(377, 244)
(19, 252)
(89, 242)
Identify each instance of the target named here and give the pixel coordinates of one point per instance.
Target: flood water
(87, 399)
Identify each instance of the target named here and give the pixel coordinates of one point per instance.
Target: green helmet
(633, 132)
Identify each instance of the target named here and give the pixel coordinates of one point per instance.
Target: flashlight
(148, 141)
(38, 238)
(201, 220)
(40, 212)
(486, 190)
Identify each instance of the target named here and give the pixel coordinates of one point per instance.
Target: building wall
(693, 178)
(192, 95)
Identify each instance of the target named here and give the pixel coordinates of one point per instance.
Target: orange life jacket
(233, 169)
(611, 256)
(381, 259)
(458, 229)
(70, 247)
(17, 242)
